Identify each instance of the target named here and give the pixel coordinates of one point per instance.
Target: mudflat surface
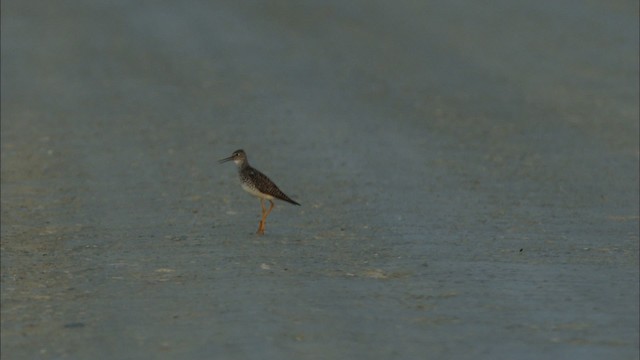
(468, 176)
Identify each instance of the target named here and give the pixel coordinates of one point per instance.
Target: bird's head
(239, 157)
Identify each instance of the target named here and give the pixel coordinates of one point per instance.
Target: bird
(257, 184)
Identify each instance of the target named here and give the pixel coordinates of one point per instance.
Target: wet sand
(468, 178)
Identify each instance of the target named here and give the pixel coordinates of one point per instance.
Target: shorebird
(257, 184)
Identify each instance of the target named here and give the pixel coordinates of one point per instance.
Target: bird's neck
(243, 165)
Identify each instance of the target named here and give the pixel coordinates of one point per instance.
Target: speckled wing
(266, 186)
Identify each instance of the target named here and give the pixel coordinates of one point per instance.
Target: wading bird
(257, 184)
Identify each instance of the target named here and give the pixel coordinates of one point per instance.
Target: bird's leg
(261, 225)
(269, 211)
(264, 218)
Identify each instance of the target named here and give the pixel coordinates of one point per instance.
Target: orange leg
(265, 213)
(269, 211)
(261, 225)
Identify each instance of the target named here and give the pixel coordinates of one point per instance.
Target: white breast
(255, 192)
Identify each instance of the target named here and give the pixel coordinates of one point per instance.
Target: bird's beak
(230, 158)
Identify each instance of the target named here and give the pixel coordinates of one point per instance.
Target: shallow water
(468, 178)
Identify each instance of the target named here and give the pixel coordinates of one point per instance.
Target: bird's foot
(260, 228)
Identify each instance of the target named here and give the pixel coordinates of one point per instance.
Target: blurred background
(468, 174)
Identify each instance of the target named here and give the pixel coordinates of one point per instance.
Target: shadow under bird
(257, 184)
